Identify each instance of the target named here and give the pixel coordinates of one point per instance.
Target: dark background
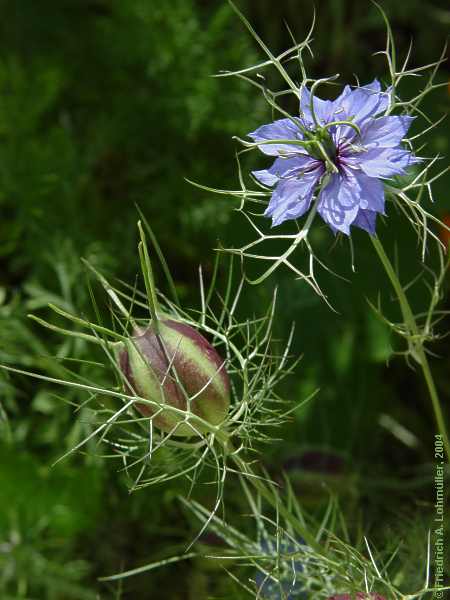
(104, 104)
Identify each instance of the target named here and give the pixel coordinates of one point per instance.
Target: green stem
(415, 342)
(268, 495)
(109, 290)
(149, 279)
(265, 490)
(349, 123)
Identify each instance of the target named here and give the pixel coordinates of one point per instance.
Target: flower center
(322, 146)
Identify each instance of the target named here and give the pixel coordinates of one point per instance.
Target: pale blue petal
(372, 192)
(265, 177)
(292, 197)
(323, 109)
(294, 166)
(338, 102)
(373, 86)
(284, 168)
(359, 105)
(385, 132)
(283, 129)
(385, 162)
(339, 202)
(367, 220)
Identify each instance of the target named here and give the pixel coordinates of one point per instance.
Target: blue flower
(346, 145)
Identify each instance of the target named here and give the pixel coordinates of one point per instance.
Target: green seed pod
(179, 367)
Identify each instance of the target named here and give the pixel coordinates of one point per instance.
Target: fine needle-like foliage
(268, 558)
(280, 564)
(254, 361)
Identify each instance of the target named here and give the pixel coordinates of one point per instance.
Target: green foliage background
(104, 104)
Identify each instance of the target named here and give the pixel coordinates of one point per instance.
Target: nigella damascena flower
(346, 145)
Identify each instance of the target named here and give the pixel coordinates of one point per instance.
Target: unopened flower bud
(177, 366)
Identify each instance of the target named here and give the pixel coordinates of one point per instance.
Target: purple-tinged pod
(179, 367)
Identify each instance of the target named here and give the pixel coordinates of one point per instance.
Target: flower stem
(415, 342)
(266, 490)
(149, 280)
